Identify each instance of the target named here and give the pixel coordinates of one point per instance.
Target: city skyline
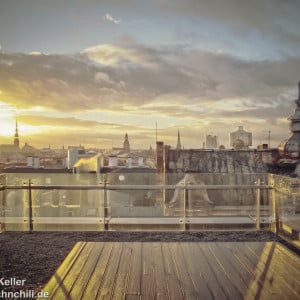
(87, 72)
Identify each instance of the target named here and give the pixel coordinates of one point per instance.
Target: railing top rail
(134, 187)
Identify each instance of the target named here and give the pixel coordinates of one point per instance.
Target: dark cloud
(273, 19)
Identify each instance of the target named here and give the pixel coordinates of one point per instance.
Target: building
(160, 156)
(211, 141)
(291, 147)
(33, 162)
(11, 150)
(89, 164)
(178, 146)
(16, 139)
(126, 145)
(73, 155)
(240, 139)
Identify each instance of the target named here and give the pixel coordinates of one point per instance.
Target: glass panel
(65, 207)
(16, 210)
(286, 206)
(137, 201)
(68, 209)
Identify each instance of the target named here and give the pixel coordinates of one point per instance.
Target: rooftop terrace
(175, 210)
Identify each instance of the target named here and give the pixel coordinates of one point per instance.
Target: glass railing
(135, 201)
(286, 207)
(2, 201)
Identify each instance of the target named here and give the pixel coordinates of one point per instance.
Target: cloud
(35, 53)
(110, 18)
(181, 84)
(255, 29)
(142, 72)
(273, 19)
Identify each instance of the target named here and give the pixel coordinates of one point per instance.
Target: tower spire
(16, 139)
(178, 147)
(126, 145)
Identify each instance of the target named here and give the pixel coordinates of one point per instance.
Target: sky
(86, 71)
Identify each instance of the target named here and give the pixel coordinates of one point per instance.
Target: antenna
(156, 131)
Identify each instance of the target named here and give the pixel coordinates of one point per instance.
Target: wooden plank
(173, 284)
(183, 275)
(238, 265)
(191, 253)
(84, 277)
(159, 273)
(252, 253)
(222, 279)
(108, 282)
(263, 284)
(255, 270)
(148, 288)
(132, 297)
(292, 261)
(63, 269)
(207, 273)
(99, 271)
(123, 272)
(228, 264)
(134, 279)
(249, 271)
(66, 285)
(287, 265)
(282, 274)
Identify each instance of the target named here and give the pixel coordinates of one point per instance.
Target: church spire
(126, 145)
(16, 139)
(178, 147)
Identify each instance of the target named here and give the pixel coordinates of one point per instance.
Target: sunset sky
(88, 71)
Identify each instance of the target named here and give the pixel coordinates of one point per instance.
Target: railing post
(257, 223)
(184, 205)
(276, 212)
(30, 206)
(2, 205)
(105, 204)
(274, 206)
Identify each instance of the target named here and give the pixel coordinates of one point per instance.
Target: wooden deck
(174, 270)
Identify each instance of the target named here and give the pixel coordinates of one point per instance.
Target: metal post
(105, 202)
(276, 211)
(30, 206)
(184, 205)
(2, 206)
(274, 207)
(258, 204)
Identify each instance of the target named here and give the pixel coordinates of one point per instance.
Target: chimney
(160, 157)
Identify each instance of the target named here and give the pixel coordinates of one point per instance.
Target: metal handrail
(134, 187)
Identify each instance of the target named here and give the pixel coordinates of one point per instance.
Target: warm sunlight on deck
(223, 270)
